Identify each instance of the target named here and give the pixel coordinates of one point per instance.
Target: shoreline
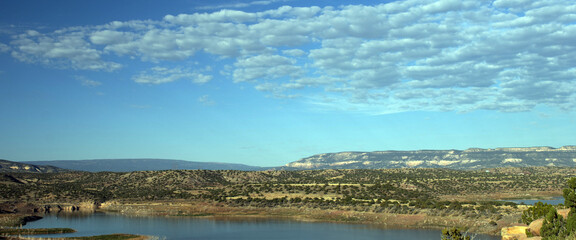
(382, 220)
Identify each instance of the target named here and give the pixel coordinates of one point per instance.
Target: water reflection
(239, 229)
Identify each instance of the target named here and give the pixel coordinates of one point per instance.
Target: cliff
(473, 158)
(12, 167)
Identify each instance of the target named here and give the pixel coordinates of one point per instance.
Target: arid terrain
(413, 198)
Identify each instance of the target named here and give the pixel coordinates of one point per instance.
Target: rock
(515, 232)
(564, 212)
(535, 226)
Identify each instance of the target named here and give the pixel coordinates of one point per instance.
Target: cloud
(4, 48)
(88, 82)
(265, 67)
(62, 49)
(206, 100)
(446, 55)
(241, 5)
(159, 75)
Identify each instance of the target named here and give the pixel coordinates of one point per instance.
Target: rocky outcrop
(474, 158)
(535, 227)
(514, 233)
(17, 167)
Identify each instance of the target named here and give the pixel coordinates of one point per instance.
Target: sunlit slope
(473, 158)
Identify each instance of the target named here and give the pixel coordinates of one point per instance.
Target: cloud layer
(447, 55)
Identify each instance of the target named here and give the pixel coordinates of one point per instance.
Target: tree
(453, 234)
(554, 226)
(539, 210)
(570, 194)
(570, 201)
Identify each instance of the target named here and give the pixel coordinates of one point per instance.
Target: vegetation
(453, 234)
(465, 197)
(539, 210)
(37, 231)
(108, 237)
(553, 225)
(99, 237)
(358, 185)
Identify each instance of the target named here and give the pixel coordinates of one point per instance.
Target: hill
(473, 158)
(129, 165)
(12, 167)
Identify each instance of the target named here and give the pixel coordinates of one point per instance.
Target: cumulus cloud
(445, 55)
(265, 67)
(159, 75)
(63, 49)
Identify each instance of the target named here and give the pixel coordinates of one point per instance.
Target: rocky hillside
(11, 167)
(473, 158)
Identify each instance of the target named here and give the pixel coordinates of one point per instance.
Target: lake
(554, 201)
(176, 228)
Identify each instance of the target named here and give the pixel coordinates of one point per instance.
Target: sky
(269, 82)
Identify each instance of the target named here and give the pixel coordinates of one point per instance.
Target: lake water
(188, 228)
(554, 201)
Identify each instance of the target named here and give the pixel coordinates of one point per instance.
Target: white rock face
(512, 160)
(414, 163)
(473, 158)
(443, 162)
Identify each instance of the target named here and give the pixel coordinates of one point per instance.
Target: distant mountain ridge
(17, 167)
(141, 164)
(469, 159)
(473, 158)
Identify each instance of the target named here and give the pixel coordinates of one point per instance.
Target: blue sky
(269, 82)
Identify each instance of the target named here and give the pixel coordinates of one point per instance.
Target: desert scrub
(14, 220)
(10, 220)
(20, 231)
(109, 237)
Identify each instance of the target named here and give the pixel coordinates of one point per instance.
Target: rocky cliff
(473, 158)
(11, 167)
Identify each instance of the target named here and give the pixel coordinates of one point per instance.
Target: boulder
(564, 212)
(515, 232)
(535, 226)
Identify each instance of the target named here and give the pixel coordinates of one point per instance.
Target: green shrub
(539, 210)
(453, 234)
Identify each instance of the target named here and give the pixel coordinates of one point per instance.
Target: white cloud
(63, 49)
(109, 37)
(88, 82)
(240, 5)
(294, 52)
(509, 55)
(206, 100)
(159, 75)
(264, 67)
(4, 48)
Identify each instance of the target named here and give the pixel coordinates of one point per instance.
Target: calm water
(199, 228)
(554, 201)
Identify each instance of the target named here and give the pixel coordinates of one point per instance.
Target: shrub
(539, 210)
